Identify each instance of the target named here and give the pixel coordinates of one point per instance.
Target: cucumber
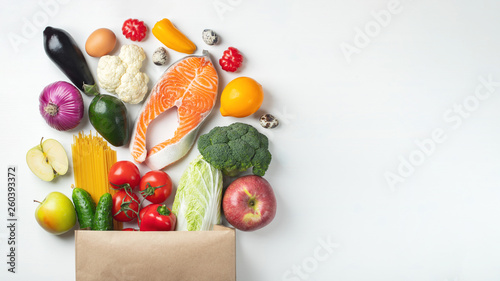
(108, 115)
(103, 219)
(85, 207)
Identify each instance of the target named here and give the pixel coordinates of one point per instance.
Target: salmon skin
(189, 84)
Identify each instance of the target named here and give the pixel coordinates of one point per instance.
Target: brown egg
(101, 42)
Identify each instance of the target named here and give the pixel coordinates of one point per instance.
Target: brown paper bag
(156, 255)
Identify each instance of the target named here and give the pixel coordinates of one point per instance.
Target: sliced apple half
(47, 160)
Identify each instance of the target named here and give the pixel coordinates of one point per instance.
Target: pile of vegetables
(125, 205)
(107, 117)
(226, 151)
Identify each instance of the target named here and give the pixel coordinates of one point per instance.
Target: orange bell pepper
(171, 37)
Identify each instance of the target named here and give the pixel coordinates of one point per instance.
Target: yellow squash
(171, 37)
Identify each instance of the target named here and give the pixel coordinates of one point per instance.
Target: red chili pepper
(158, 218)
(231, 59)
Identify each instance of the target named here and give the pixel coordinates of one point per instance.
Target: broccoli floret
(235, 148)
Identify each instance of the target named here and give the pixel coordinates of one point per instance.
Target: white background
(347, 121)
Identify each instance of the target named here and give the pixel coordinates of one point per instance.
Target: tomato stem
(163, 210)
(138, 202)
(125, 186)
(150, 190)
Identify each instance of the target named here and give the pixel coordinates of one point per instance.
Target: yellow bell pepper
(171, 37)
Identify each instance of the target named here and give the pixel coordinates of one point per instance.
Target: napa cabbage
(197, 203)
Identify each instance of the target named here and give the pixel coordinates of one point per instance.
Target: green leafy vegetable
(197, 202)
(235, 148)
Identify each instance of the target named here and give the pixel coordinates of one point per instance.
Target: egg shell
(101, 42)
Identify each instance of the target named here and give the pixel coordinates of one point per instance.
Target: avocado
(108, 115)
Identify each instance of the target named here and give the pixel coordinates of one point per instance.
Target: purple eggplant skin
(64, 52)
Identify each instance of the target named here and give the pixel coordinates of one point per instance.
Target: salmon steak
(190, 85)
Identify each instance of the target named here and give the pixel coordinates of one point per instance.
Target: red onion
(61, 105)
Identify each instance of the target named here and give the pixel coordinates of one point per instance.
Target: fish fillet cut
(190, 85)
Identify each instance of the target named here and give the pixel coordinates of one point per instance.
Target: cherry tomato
(124, 174)
(156, 186)
(125, 206)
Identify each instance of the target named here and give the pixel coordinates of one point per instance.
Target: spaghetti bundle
(92, 160)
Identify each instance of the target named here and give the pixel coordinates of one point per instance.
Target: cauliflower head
(121, 75)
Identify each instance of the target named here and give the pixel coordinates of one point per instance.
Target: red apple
(249, 203)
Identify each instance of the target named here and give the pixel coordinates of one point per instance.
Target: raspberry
(134, 30)
(231, 59)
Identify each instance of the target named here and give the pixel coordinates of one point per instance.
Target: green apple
(56, 213)
(47, 160)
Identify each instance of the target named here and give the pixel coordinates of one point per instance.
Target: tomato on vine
(156, 186)
(124, 174)
(125, 206)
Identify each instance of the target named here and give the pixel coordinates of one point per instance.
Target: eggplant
(63, 51)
